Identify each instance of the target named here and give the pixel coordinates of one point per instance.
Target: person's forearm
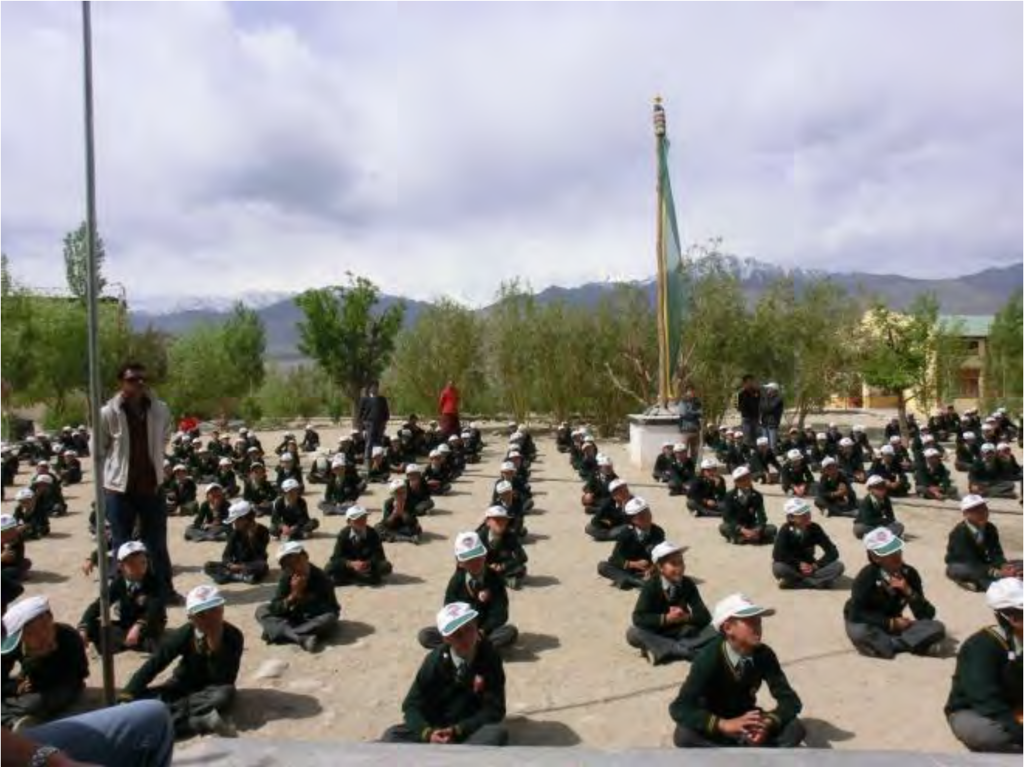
(17, 750)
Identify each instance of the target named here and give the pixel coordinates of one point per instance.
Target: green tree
(446, 342)
(202, 381)
(76, 261)
(349, 335)
(290, 392)
(1004, 358)
(511, 325)
(245, 340)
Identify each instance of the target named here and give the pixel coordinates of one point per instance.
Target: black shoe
(175, 599)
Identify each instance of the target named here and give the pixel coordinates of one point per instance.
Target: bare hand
(740, 725)
(134, 636)
(806, 568)
(443, 735)
(899, 583)
(902, 624)
(677, 614)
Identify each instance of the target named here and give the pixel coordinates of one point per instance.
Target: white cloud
(442, 148)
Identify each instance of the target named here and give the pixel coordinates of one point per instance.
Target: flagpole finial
(659, 117)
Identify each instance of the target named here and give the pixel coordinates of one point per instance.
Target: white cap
(376, 450)
(290, 484)
(443, 448)
(882, 541)
(197, 441)
(213, 486)
(238, 509)
(1005, 594)
(970, 435)
(588, 439)
(435, 453)
(603, 460)
(454, 616)
(287, 549)
(875, 479)
(395, 485)
(615, 484)
(454, 438)
(736, 606)
(24, 494)
(18, 615)
(761, 441)
(709, 463)
(507, 466)
(203, 598)
(931, 452)
(927, 439)
(794, 455)
(894, 439)
(669, 444)
(988, 447)
(635, 505)
(771, 385)
(846, 442)
(858, 428)
(496, 512)
(821, 436)
(664, 549)
(128, 548)
(797, 507)
(1002, 446)
(740, 472)
(737, 434)
(339, 461)
(225, 461)
(8, 522)
(356, 511)
(503, 487)
(287, 457)
(469, 546)
(971, 501)
(828, 461)
(887, 450)
(46, 479)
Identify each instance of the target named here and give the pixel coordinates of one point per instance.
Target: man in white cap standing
(304, 609)
(630, 564)
(984, 704)
(670, 619)
(201, 689)
(358, 555)
(772, 408)
(52, 667)
(881, 593)
(458, 694)
(795, 559)
(974, 553)
(717, 704)
(479, 587)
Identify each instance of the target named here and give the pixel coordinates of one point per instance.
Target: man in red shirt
(448, 405)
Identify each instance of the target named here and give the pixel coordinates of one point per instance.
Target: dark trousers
(680, 644)
(343, 576)
(502, 636)
(767, 535)
(278, 630)
(997, 489)
(206, 534)
(982, 734)
(751, 427)
(42, 704)
(790, 736)
(299, 532)
(703, 511)
(975, 577)
(118, 634)
(486, 735)
(251, 572)
(847, 508)
(149, 512)
(185, 707)
(601, 533)
(821, 578)
(624, 579)
(875, 642)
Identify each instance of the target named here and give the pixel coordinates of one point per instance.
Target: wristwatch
(42, 755)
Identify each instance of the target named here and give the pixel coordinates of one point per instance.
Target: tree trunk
(901, 412)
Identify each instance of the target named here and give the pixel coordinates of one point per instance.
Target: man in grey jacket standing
(690, 414)
(772, 408)
(132, 431)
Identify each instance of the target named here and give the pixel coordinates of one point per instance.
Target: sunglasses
(135, 379)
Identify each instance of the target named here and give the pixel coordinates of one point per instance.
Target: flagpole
(662, 296)
(92, 295)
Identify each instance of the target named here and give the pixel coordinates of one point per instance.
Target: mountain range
(983, 292)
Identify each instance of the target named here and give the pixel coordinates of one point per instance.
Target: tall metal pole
(92, 295)
(662, 301)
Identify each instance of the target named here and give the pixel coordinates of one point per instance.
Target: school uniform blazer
(206, 515)
(793, 549)
(629, 547)
(243, 547)
(351, 548)
(319, 599)
(283, 514)
(443, 696)
(198, 667)
(652, 605)
(65, 667)
(505, 550)
(145, 605)
(493, 612)
(928, 476)
(760, 462)
(747, 513)
(609, 514)
(874, 514)
(874, 603)
(983, 471)
(795, 475)
(962, 548)
(701, 489)
(715, 690)
(987, 680)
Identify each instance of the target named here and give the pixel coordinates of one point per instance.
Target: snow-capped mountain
(157, 306)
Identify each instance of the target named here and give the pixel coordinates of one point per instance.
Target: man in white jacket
(132, 432)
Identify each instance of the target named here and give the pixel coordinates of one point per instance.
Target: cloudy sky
(438, 149)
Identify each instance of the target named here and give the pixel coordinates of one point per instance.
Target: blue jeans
(772, 433)
(135, 734)
(151, 514)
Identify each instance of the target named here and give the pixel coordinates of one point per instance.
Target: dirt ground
(572, 679)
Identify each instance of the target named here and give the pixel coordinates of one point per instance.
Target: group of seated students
(671, 621)
(458, 694)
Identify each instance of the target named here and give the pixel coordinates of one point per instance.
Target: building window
(969, 384)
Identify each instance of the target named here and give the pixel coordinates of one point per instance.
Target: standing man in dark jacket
(132, 433)
(691, 416)
(374, 414)
(748, 402)
(772, 407)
